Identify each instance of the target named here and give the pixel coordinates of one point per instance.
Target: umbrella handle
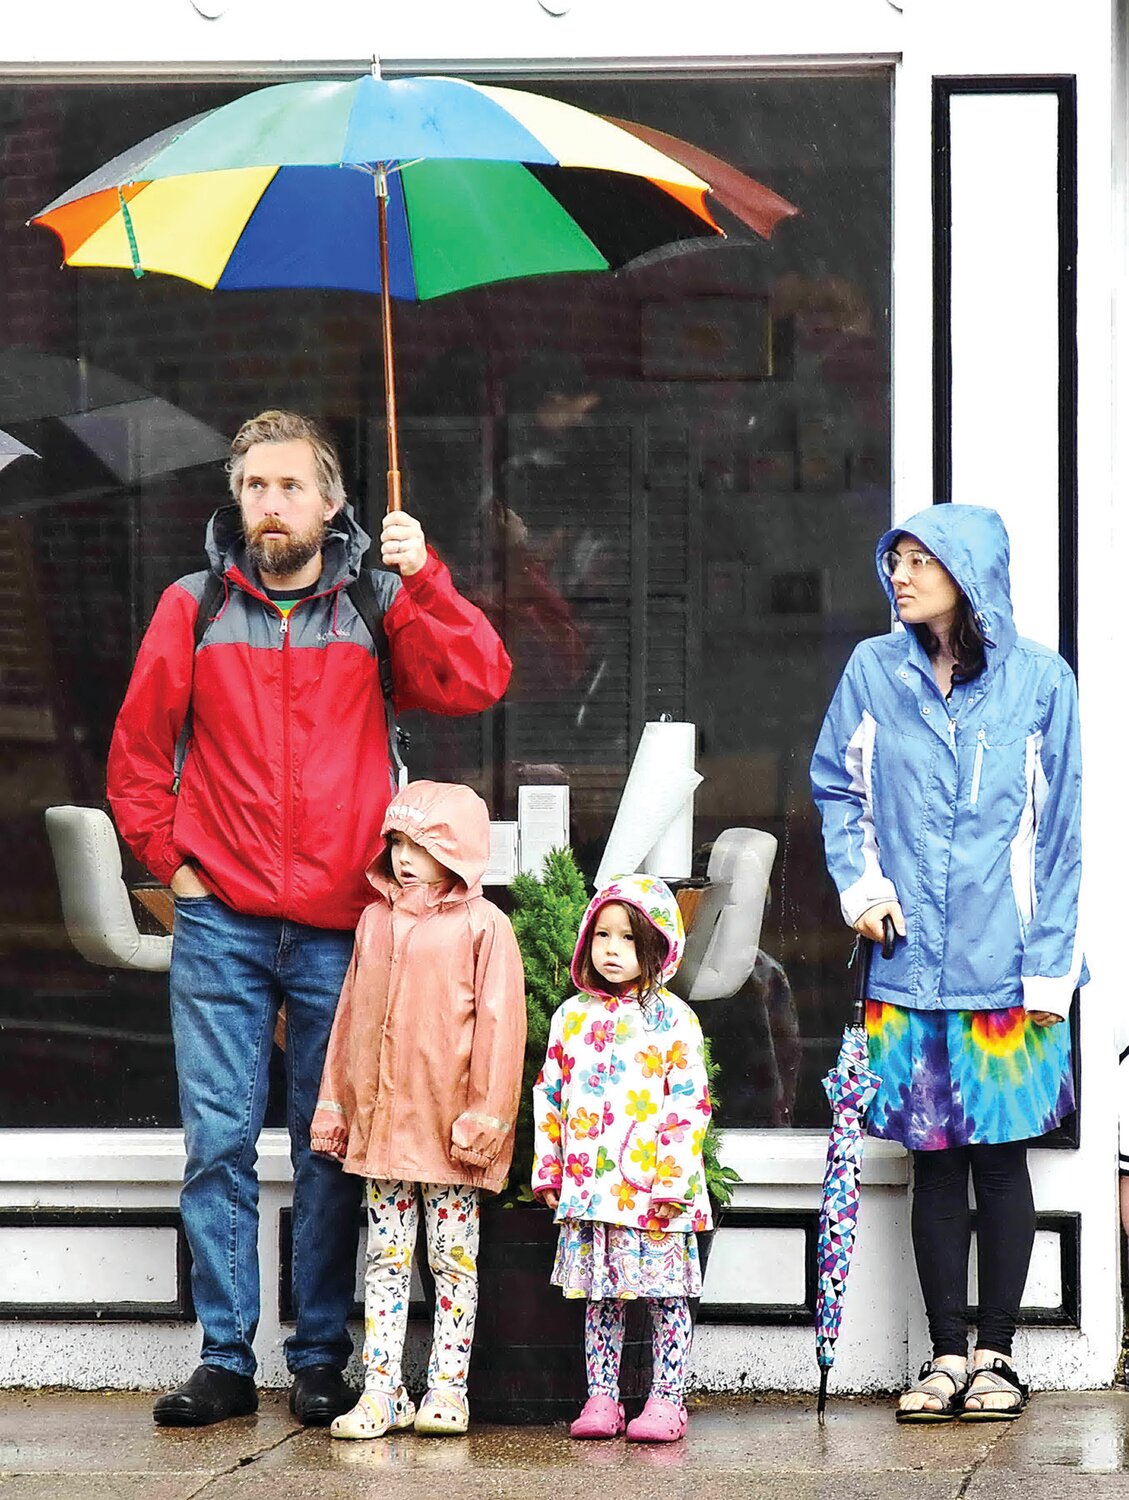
(863, 955)
(380, 183)
(889, 937)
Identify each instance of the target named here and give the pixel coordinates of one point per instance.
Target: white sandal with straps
(376, 1413)
(443, 1413)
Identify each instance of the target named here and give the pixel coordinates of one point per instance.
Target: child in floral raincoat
(621, 1108)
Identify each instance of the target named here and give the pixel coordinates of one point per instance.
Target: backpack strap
(362, 596)
(209, 599)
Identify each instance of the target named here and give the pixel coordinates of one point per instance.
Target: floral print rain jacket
(622, 1103)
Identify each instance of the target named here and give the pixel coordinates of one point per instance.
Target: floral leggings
(451, 1224)
(604, 1323)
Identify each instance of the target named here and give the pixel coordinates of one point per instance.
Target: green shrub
(719, 1179)
(546, 918)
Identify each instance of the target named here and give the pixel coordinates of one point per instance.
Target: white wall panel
(76, 1265)
(1005, 330)
(777, 1254)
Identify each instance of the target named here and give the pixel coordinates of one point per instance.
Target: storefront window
(663, 485)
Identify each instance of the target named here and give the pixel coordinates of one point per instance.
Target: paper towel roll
(658, 798)
(672, 853)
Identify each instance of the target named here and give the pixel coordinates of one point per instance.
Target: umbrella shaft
(381, 183)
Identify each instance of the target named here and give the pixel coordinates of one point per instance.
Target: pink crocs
(601, 1417)
(659, 1422)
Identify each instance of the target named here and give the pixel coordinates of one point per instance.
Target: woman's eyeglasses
(915, 563)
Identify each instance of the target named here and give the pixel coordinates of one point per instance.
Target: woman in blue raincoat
(948, 777)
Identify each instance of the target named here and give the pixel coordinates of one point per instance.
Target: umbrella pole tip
(374, 67)
(821, 1402)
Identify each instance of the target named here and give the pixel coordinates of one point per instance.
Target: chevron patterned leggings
(604, 1324)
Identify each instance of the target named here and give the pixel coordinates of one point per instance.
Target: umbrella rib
(127, 220)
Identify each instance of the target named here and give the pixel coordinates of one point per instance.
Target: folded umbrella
(850, 1086)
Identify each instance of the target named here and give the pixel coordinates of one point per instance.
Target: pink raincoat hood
(448, 820)
(653, 899)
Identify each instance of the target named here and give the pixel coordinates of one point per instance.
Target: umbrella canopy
(251, 194)
(410, 187)
(11, 448)
(133, 434)
(850, 1086)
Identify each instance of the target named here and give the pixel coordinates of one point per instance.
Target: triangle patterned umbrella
(850, 1086)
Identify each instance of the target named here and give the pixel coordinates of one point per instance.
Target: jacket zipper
(977, 766)
(287, 820)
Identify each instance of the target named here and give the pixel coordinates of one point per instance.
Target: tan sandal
(996, 1375)
(376, 1413)
(949, 1405)
(443, 1413)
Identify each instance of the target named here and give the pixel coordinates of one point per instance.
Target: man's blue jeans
(228, 977)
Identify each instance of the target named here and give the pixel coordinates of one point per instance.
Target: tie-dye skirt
(965, 1077)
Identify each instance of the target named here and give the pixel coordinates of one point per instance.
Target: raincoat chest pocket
(997, 777)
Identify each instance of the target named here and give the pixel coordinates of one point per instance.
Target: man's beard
(281, 556)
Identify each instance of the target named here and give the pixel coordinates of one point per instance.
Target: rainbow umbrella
(409, 188)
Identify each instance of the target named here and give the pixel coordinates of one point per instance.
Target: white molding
(797, 1158)
(847, 64)
(769, 1157)
(120, 1156)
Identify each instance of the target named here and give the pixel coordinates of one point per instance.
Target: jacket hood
(972, 542)
(653, 899)
(450, 821)
(345, 544)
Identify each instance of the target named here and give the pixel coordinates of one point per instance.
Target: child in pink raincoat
(621, 1108)
(420, 1090)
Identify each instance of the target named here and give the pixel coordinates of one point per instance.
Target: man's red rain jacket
(288, 773)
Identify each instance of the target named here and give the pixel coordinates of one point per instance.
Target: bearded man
(249, 770)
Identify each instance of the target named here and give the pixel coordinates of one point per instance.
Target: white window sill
(799, 1157)
(794, 1157)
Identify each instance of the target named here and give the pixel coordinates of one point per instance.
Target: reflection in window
(662, 485)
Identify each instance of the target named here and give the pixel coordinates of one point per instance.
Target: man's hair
(288, 427)
(652, 949)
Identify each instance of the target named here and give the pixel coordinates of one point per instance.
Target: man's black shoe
(319, 1394)
(210, 1394)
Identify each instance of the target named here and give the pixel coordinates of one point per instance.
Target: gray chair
(96, 906)
(724, 939)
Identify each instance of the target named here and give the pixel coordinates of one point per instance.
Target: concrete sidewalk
(70, 1446)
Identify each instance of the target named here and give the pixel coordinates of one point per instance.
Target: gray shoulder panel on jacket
(193, 583)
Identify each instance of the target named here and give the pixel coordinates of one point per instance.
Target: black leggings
(942, 1234)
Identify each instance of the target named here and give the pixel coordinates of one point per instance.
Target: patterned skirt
(966, 1077)
(615, 1261)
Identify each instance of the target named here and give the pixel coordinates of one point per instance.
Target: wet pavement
(57, 1445)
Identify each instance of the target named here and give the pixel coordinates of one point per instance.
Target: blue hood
(971, 541)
